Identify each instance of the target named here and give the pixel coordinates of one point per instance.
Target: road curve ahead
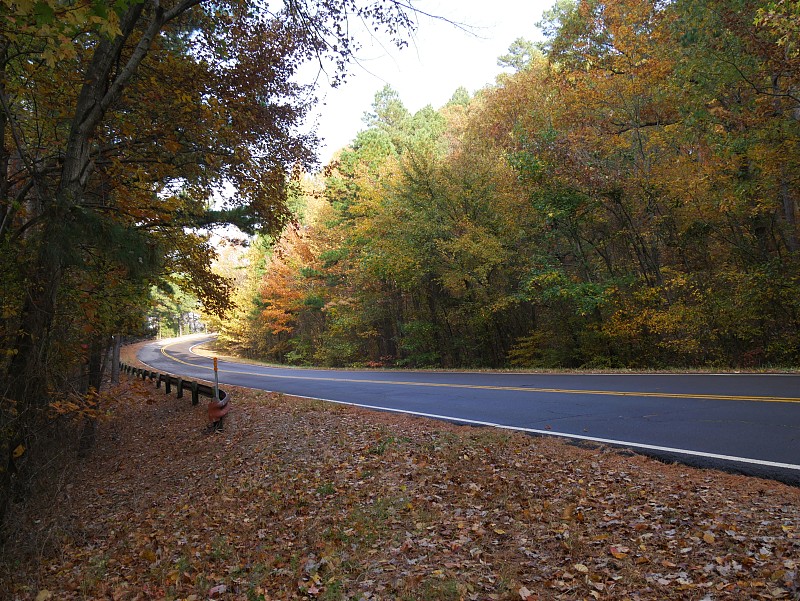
(747, 423)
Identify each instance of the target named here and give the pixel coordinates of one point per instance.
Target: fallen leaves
(301, 500)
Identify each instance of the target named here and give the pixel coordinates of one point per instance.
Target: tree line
(625, 195)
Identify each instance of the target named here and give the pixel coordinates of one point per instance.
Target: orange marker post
(216, 381)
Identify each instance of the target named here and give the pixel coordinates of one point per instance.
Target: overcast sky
(438, 60)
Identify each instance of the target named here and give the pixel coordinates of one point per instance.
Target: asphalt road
(747, 423)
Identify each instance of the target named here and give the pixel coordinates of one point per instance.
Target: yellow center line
(666, 395)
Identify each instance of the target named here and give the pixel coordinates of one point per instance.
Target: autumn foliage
(127, 129)
(626, 198)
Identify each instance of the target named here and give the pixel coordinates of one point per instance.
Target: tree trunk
(93, 381)
(787, 199)
(27, 371)
(789, 215)
(115, 349)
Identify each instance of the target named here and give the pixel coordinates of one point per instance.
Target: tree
(120, 121)
(625, 197)
(520, 55)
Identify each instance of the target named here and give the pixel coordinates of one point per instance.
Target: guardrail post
(218, 407)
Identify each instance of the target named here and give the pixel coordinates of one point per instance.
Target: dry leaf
(407, 517)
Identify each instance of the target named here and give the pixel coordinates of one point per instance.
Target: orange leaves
(77, 407)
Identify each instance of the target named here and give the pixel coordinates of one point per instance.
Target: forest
(128, 128)
(625, 195)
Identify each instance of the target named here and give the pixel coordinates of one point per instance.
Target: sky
(439, 58)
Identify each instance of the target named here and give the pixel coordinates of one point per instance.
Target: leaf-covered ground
(297, 499)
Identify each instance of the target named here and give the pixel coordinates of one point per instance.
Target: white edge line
(622, 443)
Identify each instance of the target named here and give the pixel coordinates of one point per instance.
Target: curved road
(747, 423)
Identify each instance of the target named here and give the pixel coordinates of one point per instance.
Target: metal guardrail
(217, 409)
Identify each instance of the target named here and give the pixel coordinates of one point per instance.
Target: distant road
(748, 423)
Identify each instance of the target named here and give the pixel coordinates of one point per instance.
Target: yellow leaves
(18, 452)
(57, 25)
(64, 407)
(78, 407)
(148, 555)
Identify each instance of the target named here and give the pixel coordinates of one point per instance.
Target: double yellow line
(664, 395)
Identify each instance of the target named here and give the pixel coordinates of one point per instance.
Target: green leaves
(127, 120)
(43, 13)
(590, 209)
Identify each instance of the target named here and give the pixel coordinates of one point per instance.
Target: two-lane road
(743, 422)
